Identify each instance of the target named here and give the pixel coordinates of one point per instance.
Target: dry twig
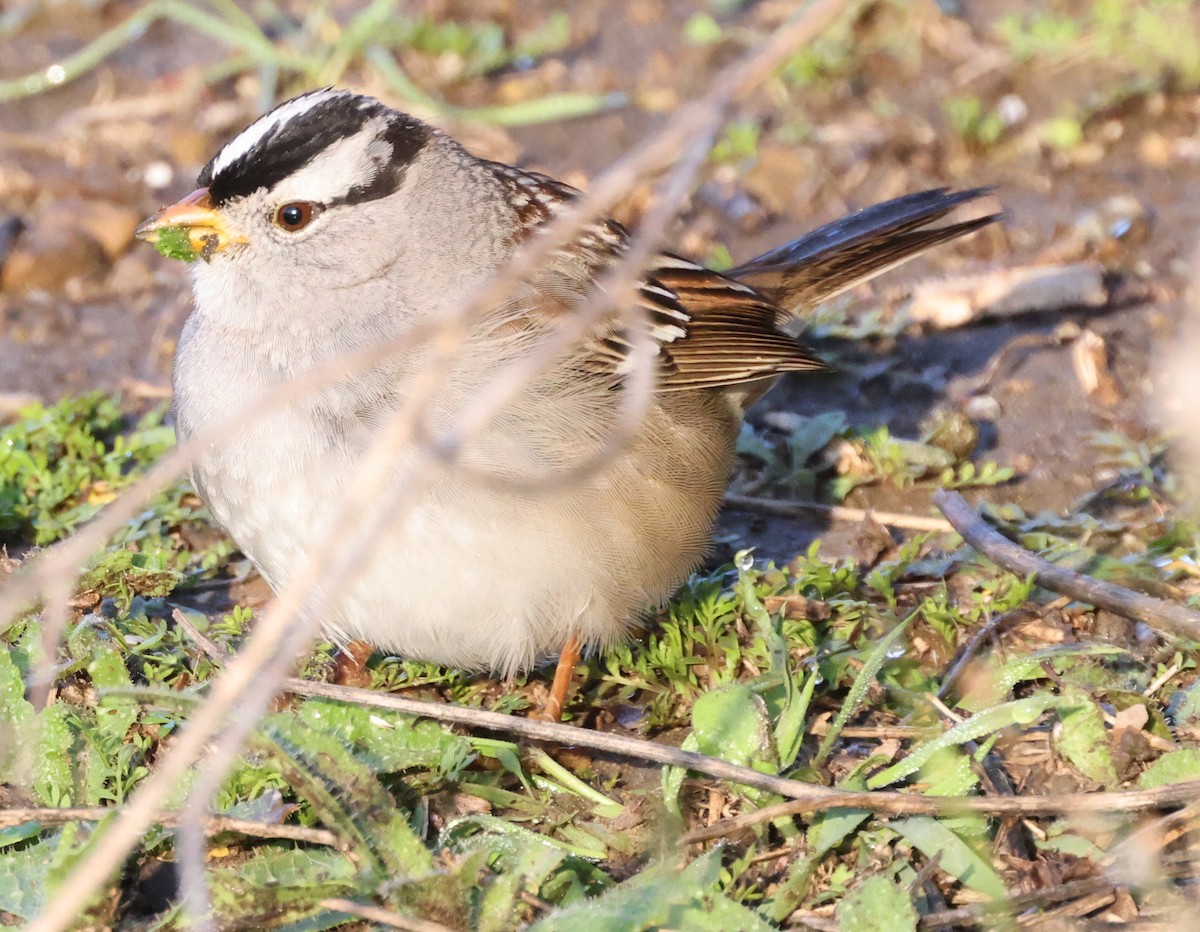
(796, 509)
(806, 797)
(213, 825)
(980, 912)
(1157, 613)
(893, 803)
(210, 648)
(1008, 292)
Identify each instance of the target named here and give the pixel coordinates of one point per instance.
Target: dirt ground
(83, 307)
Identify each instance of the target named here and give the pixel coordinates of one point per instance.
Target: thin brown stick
(973, 386)
(892, 803)
(385, 917)
(1076, 909)
(928, 869)
(210, 648)
(977, 912)
(972, 648)
(820, 728)
(797, 509)
(810, 919)
(805, 797)
(1151, 835)
(213, 825)
(1157, 613)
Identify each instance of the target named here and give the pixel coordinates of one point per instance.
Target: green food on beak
(175, 243)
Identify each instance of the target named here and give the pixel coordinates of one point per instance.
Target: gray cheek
(346, 254)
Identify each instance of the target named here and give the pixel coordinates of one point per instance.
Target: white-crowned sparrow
(335, 223)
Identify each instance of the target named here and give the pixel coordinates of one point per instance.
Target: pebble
(953, 431)
(158, 175)
(1155, 150)
(53, 251)
(1012, 109)
(69, 241)
(982, 408)
(110, 225)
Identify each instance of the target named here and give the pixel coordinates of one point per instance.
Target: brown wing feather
(712, 330)
(731, 336)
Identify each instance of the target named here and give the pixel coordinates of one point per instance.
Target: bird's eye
(295, 216)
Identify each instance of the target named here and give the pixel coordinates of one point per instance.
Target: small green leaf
(16, 718)
(751, 443)
(826, 831)
(789, 723)
(53, 775)
(958, 859)
(1083, 739)
(1074, 845)
(996, 678)
(602, 806)
(115, 714)
(278, 886)
(813, 434)
(829, 829)
(1173, 767)
(672, 778)
(347, 796)
(659, 897)
(702, 29)
(505, 841)
(789, 729)
(731, 723)
(499, 903)
(949, 773)
(15, 834)
(23, 876)
(877, 904)
(388, 742)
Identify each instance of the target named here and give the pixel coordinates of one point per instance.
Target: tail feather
(854, 249)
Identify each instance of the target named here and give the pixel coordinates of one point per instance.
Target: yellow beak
(189, 229)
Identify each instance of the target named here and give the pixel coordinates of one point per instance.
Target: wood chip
(1008, 293)
(1089, 356)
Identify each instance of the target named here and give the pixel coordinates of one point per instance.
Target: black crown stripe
(293, 144)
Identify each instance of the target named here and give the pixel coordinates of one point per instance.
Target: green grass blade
(858, 691)
(1018, 712)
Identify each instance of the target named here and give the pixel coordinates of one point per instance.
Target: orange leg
(351, 664)
(552, 710)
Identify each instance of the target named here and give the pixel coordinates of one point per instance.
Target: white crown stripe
(253, 134)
